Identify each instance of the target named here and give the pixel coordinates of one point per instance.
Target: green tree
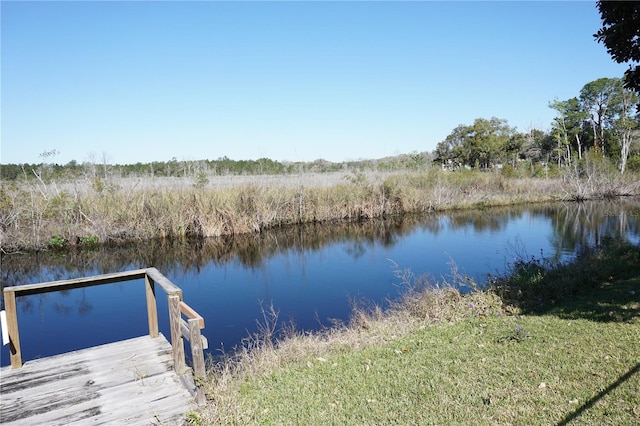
(604, 117)
(486, 142)
(481, 144)
(596, 101)
(567, 128)
(537, 146)
(514, 148)
(620, 34)
(449, 151)
(625, 123)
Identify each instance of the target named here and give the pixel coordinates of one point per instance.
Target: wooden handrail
(191, 314)
(47, 287)
(162, 281)
(10, 294)
(151, 276)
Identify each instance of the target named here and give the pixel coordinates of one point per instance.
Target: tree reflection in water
(575, 225)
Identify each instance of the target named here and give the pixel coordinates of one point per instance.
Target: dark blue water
(311, 275)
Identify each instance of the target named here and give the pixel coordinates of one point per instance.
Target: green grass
(439, 357)
(471, 372)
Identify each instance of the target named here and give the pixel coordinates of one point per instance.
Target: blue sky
(149, 81)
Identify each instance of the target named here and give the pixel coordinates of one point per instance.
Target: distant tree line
(48, 169)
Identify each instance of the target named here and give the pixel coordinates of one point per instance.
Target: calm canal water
(311, 274)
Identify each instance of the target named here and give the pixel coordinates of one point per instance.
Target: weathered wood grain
(191, 313)
(176, 335)
(152, 307)
(12, 326)
(128, 382)
(197, 358)
(169, 287)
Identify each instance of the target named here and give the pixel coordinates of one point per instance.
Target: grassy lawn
(576, 361)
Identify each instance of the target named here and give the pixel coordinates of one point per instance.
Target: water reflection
(574, 226)
(308, 271)
(581, 225)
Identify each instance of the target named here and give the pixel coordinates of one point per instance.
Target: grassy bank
(36, 214)
(500, 356)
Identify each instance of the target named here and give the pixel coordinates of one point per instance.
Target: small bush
(201, 181)
(57, 242)
(508, 171)
(633, 163)
(553, 170)
(540, 170)
(89, 240)
(98, 185)
(193, 418)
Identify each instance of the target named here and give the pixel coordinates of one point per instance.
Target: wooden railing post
(12, 328)
(177, 344)
(152, 308)
(153, 278)
(197, 355)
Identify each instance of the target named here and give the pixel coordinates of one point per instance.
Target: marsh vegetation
(39, 213)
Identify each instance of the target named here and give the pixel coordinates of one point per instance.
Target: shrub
(633, 163)
(536, 282)
(88, 240)
(201, 181)
(508, 171)
(57, 242)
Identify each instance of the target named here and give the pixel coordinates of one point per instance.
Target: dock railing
(189, 329)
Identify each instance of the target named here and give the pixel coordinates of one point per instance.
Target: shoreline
(440, 357)
(59, 219)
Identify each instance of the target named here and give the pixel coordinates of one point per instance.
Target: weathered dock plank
(129, 382)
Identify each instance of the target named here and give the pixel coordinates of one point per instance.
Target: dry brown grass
(34, 215)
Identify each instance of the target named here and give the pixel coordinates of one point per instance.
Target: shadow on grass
(617, 301)
(601, 284)
(590, 403)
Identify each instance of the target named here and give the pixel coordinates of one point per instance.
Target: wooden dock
(129, 382)
(141, 381)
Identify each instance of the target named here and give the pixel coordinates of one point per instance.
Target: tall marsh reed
(37, 215)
